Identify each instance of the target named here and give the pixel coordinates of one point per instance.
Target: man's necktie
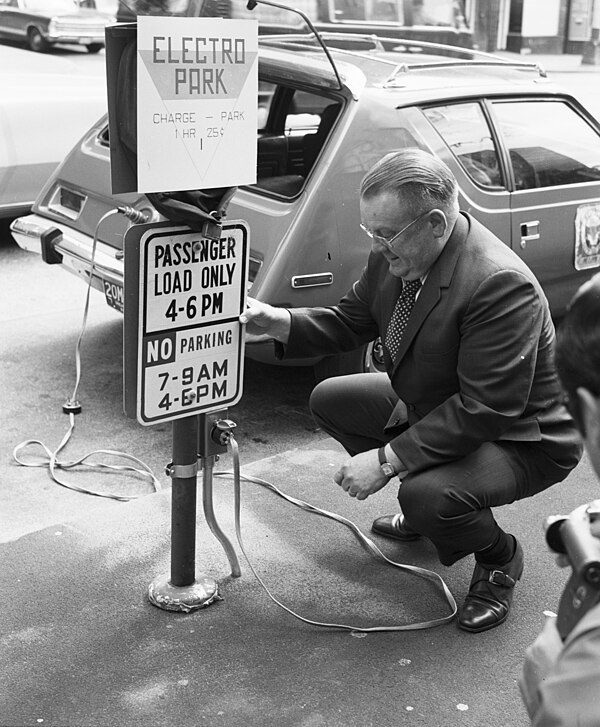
(400, 316)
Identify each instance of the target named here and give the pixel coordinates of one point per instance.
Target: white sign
(197, 90)
(540, 18)
(190, 342)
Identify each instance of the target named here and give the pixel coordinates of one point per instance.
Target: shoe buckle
(499, 578)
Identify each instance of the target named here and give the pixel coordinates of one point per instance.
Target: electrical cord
(367, 542)
(73, 407)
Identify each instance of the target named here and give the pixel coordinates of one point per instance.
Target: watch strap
(387, 468)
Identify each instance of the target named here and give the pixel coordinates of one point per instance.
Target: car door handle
(529, 231)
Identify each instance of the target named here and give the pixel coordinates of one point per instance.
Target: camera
(578, 536)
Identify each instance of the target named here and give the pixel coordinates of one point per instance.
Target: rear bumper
(76, 39)
(58, 244)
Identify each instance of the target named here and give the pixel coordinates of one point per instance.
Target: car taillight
(67, 203)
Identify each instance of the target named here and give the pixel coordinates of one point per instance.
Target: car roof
(413, 67)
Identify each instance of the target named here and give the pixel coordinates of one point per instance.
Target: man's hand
(264, 322)
(361, 475)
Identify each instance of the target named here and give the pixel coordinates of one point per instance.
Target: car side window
(549, 143)
(465, 129)
(293, 126)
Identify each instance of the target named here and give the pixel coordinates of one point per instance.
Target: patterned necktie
(400, 316)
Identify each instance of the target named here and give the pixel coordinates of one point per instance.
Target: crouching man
(469, 415)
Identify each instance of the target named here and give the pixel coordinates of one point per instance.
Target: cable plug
(136, 216)
(72, 406)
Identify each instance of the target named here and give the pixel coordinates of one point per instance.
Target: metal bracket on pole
(181, 471)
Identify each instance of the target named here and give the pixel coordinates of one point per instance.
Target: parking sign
(184, 346)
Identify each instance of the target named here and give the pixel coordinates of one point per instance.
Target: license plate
(587, 237)
(113, 292)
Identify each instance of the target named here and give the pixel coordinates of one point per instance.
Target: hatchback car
(42, 24)
(526, 155)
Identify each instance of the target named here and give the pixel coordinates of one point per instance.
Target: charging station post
(185, 286)
(197, 440)
(183, 362)
(181, 590)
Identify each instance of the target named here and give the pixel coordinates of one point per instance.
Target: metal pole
(180, 590)
(183, 503)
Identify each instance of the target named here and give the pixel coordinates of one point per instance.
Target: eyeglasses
(389, 242)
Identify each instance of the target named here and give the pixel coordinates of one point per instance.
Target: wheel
(94, 47)
(367, 359)
(36, 41)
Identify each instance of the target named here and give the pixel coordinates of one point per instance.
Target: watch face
(387, 469)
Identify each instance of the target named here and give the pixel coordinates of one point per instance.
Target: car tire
(366, 359)
(94, 47)
(36, 41)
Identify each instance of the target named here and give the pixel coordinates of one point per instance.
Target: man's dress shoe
(490, 594)
(394, 526)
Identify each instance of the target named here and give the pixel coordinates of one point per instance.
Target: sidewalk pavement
(82, 646)
(556, 63)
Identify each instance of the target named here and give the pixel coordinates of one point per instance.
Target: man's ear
(589, 408)
(439, 222)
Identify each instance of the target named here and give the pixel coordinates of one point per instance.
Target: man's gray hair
(414, 173)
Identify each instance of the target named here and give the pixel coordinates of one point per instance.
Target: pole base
(199, 594)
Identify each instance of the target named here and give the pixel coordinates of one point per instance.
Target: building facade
(534, 26)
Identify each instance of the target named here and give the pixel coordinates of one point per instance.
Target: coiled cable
(367, 542)
(73, 407)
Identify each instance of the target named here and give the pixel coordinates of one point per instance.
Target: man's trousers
(449, 503)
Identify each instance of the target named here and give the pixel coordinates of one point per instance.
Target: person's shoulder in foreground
(560, 683)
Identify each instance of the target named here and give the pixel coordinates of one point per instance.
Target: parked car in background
(526, 155)
(41, 24)
(440, 21)
(45, 107)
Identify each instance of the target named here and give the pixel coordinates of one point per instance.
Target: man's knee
(323, 398)
(429, 504)
(354, 409)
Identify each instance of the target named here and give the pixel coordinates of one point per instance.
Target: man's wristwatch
(387, 468)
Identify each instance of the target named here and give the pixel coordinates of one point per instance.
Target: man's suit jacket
(475, 362)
